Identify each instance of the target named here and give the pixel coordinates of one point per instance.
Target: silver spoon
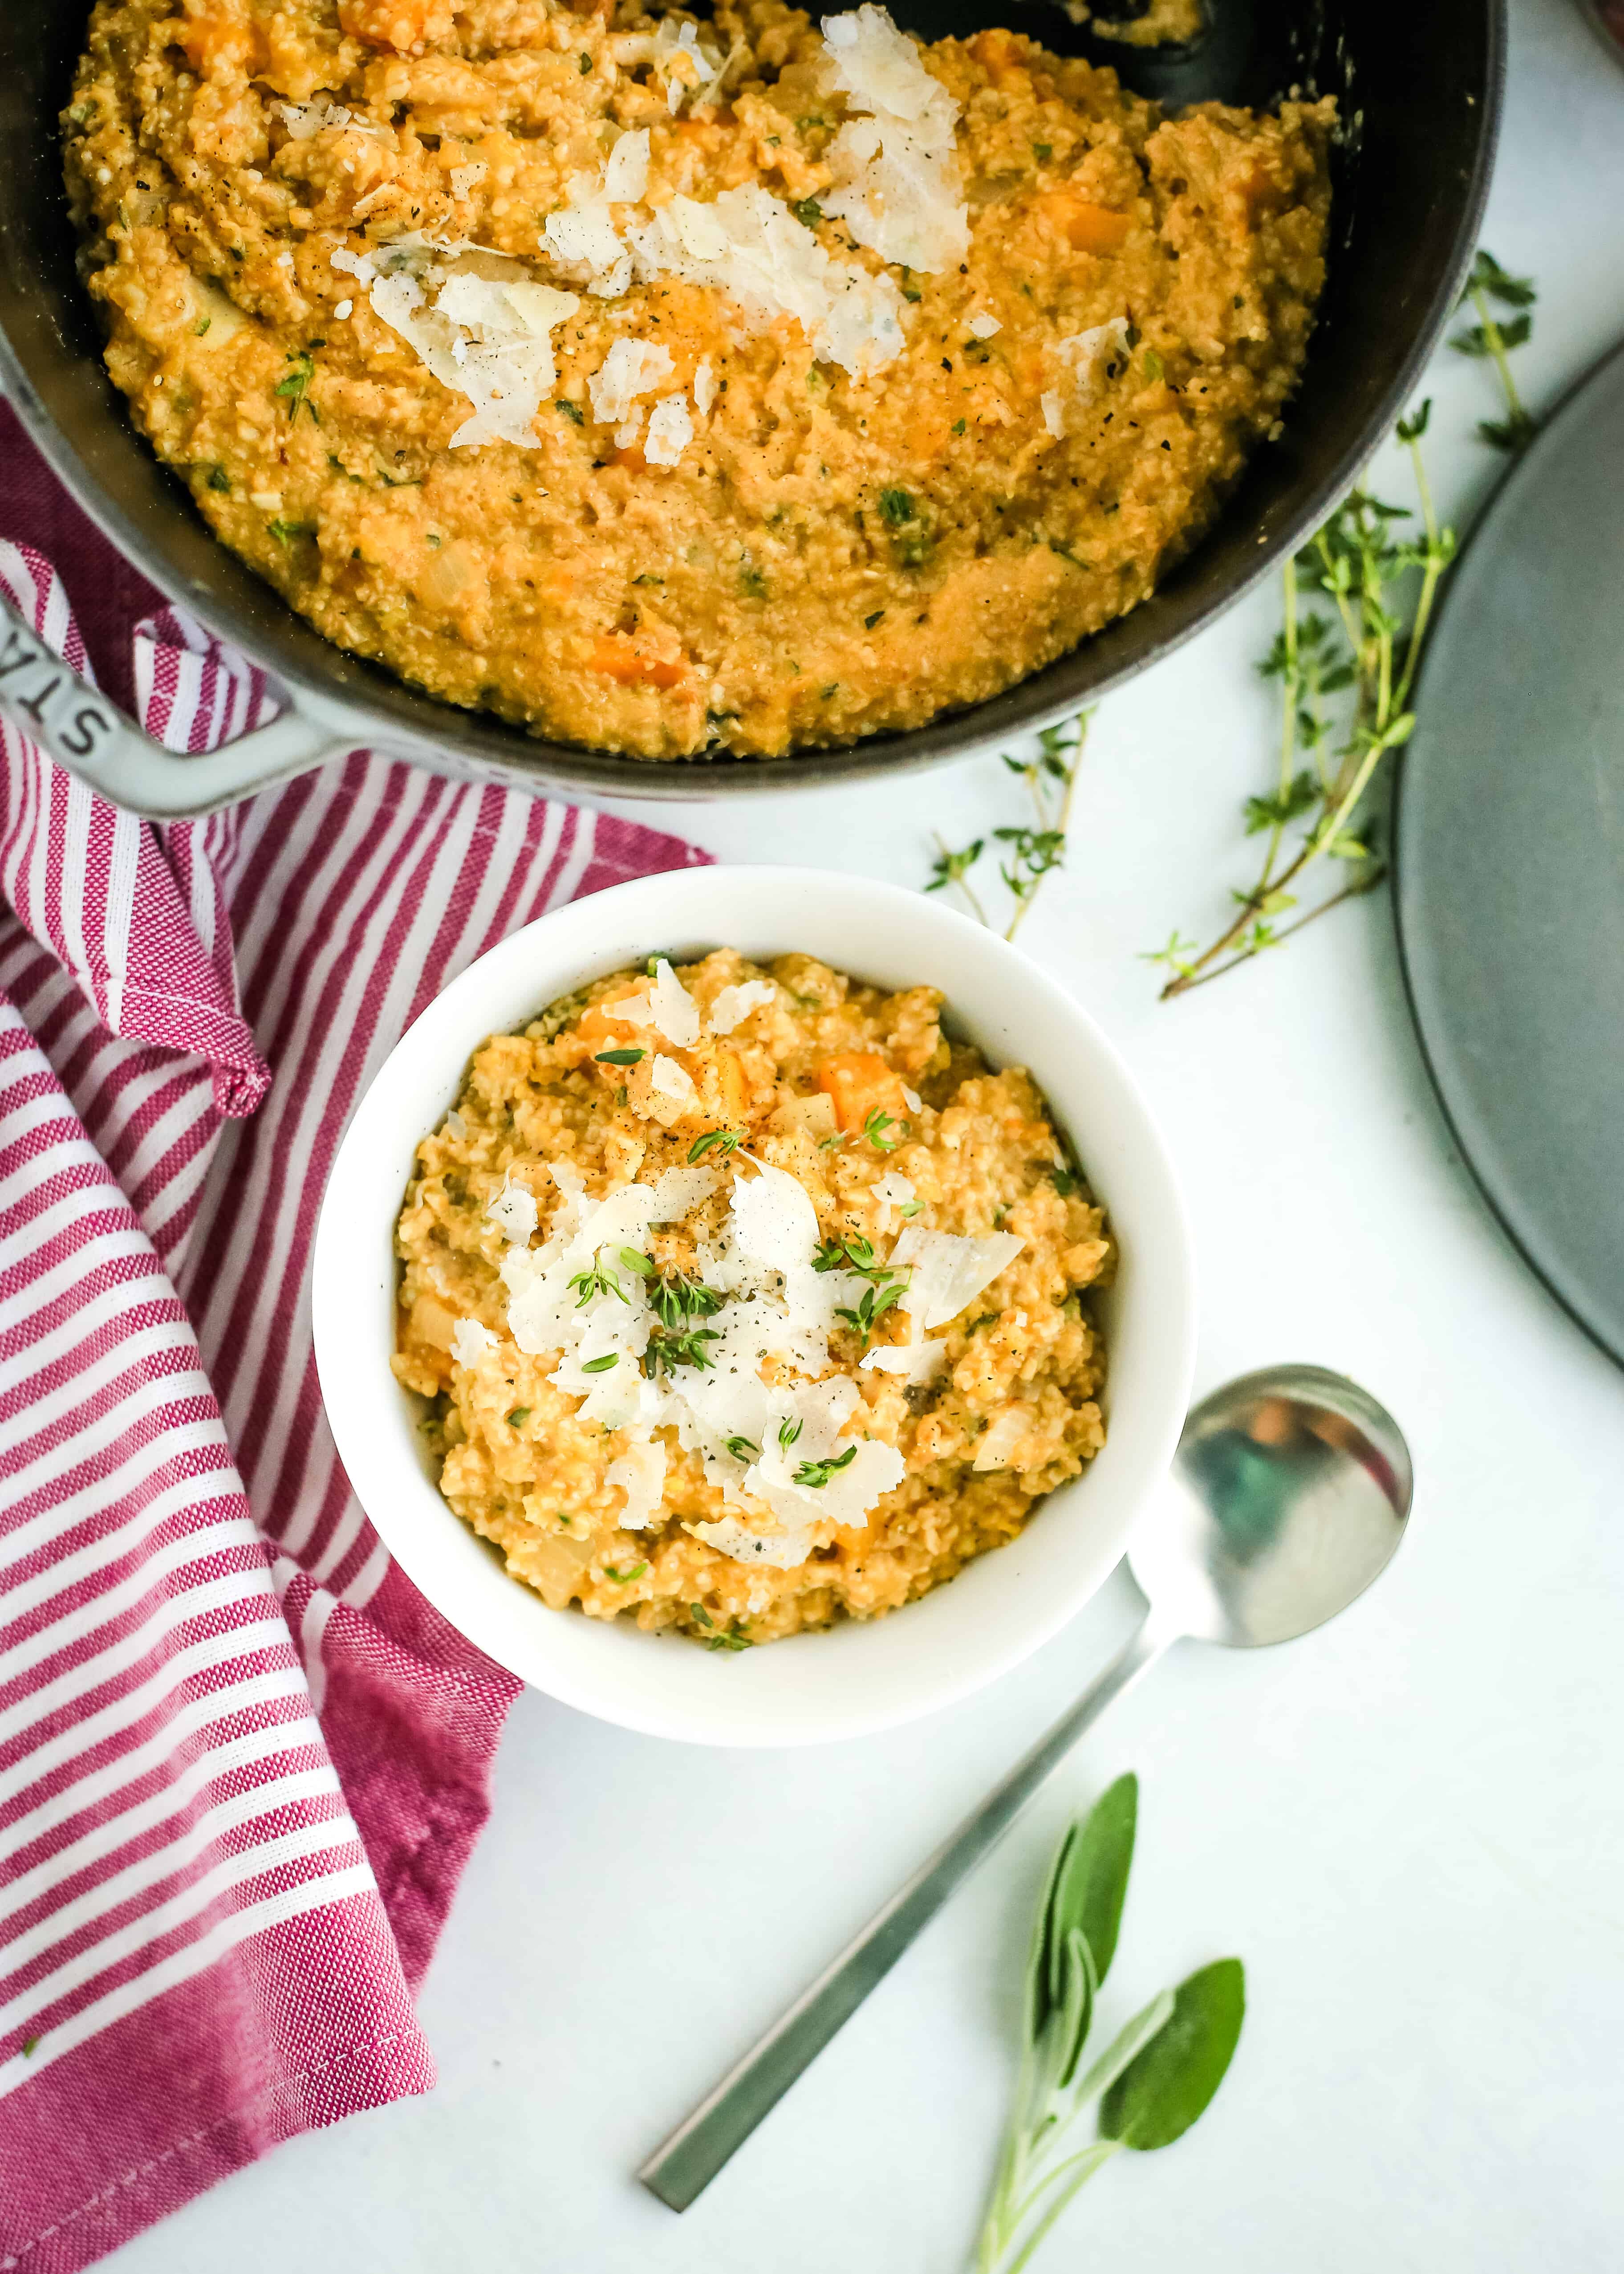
(1288, 1493)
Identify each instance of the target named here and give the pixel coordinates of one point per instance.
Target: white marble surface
(1409, 1826)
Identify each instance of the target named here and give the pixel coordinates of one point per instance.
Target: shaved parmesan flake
(344, 308)
(679, 1191)
(456, 1127)
(464, 178)
(779, 1551)
(583, 235)
(898, 182)
(690, 65)
(361, 266)
(848, 1495)
(705, 386)
(774, 1219)
(892, 1191)
(632, 368)
(640, 1472)
(462, 323)
(626, 433)
(671, 430)
(734, 1005)
(917, 1362)
(748, 245)
(676, 1014)
(625, 172)
(538, 307)
(567, 1177)
(670, 1080)
(947, 1270)
(305, 120)
(912, 1099)
(471, 1341)
(982, 327)
(514, 1211)
(1089, 359)
(1000, 1439)
(1053, 412)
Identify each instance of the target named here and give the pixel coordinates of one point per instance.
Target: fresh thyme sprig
(1494, 337)
(667, 1352)
(1155, 2079)
(815, 1474)
(600, 1280)
(1032, 850)
(1347, 676)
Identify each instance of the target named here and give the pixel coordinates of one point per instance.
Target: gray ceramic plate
(1510, 855)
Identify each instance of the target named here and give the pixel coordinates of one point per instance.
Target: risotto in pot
(745, 1300)
(668, 382)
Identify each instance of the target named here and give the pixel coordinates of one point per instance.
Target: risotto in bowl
(754, 1291)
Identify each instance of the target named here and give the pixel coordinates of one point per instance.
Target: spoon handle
(696, 2150)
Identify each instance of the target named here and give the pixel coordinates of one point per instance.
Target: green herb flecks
(624, 1579)
(568, 410)
(600, 1365)
(1348, 673)
(788, 1431)
(720, 1142)
(808, 211)
(518, 1417)
(815, 1474)
(876, 1128)
(742, 1449)
(731, 1636)
(294, 389)
(618, 1057)
(1154, 2080)
(219, 479)
(286, 533)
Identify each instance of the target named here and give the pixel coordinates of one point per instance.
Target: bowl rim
(360, 1395)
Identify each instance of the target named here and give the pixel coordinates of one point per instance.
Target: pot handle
(93, 740)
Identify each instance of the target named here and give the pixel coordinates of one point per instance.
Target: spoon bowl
(1288, 1494)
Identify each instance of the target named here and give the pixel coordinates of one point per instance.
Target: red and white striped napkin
(242, 1761)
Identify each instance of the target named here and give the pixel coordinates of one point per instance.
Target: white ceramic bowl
(854, 1678)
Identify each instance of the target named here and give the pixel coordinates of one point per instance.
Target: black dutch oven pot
(1420, 86)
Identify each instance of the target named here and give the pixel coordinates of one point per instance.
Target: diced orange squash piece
(220, 40)
(406, 26)
(859, 1083)
(1087, 227)
(619, 655)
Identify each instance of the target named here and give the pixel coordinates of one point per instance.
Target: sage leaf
(1165, 2087)
(1091, 1880)
(1125, 2046)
